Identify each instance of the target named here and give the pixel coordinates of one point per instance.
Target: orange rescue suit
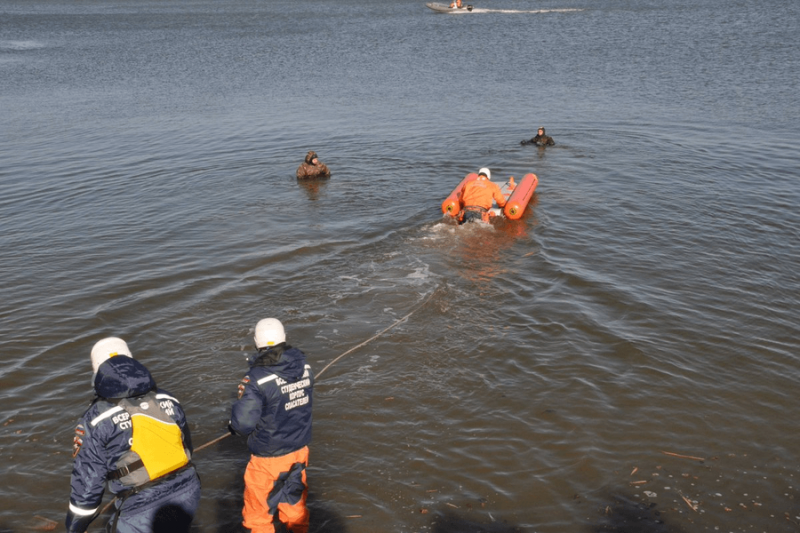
(480, 192)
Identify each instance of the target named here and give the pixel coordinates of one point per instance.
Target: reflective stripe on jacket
(274, 405)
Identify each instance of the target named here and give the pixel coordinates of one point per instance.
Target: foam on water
(20, 46)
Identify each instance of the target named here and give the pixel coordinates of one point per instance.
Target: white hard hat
(106, 349)
(486, 172)
(269, 332)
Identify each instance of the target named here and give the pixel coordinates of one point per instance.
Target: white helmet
(106, 349)
(486, 172)
(269, 332)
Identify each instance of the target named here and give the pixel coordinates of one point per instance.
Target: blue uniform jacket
(102, 436)
(274, 405)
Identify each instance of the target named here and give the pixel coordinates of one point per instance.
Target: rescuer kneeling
(476, 199)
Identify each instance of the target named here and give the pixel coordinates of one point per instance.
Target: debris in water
(683, 456)
(690, 504)
(46, 525)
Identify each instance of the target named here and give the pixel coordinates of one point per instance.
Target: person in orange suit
(476, 199)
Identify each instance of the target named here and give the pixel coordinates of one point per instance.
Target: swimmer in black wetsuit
(541, 139)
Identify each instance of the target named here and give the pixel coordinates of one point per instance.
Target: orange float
(518, 199)
(452, 204)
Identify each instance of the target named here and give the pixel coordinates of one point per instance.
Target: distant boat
(445, 8)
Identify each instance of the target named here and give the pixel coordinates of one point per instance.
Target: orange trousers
(276, 486)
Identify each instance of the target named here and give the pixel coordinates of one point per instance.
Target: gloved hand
(230, 428)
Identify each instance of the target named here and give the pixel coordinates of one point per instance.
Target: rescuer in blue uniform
(274, 411)
(134, 436)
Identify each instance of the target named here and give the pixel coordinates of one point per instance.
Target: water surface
(645, 303)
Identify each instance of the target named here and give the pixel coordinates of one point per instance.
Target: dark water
(646, 303)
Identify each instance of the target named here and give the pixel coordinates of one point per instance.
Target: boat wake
(518, 11)
(445, 8)
(21, 45)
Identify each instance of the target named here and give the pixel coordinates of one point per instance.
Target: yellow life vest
(157, 443)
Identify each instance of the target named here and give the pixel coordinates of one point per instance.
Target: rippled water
(646, 303)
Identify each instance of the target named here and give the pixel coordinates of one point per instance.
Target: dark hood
(290, 364)
(310, 156)
(122, 377)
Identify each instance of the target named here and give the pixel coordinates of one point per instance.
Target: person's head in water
(311, 156)
(541, 130)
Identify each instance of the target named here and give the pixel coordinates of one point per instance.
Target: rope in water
(354, 348)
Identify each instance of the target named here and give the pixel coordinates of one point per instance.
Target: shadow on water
(323, 518)
(618, 513)
(623, 514)
(450, 522)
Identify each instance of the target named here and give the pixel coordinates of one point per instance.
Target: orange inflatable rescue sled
(452, 204)
(517, 197)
